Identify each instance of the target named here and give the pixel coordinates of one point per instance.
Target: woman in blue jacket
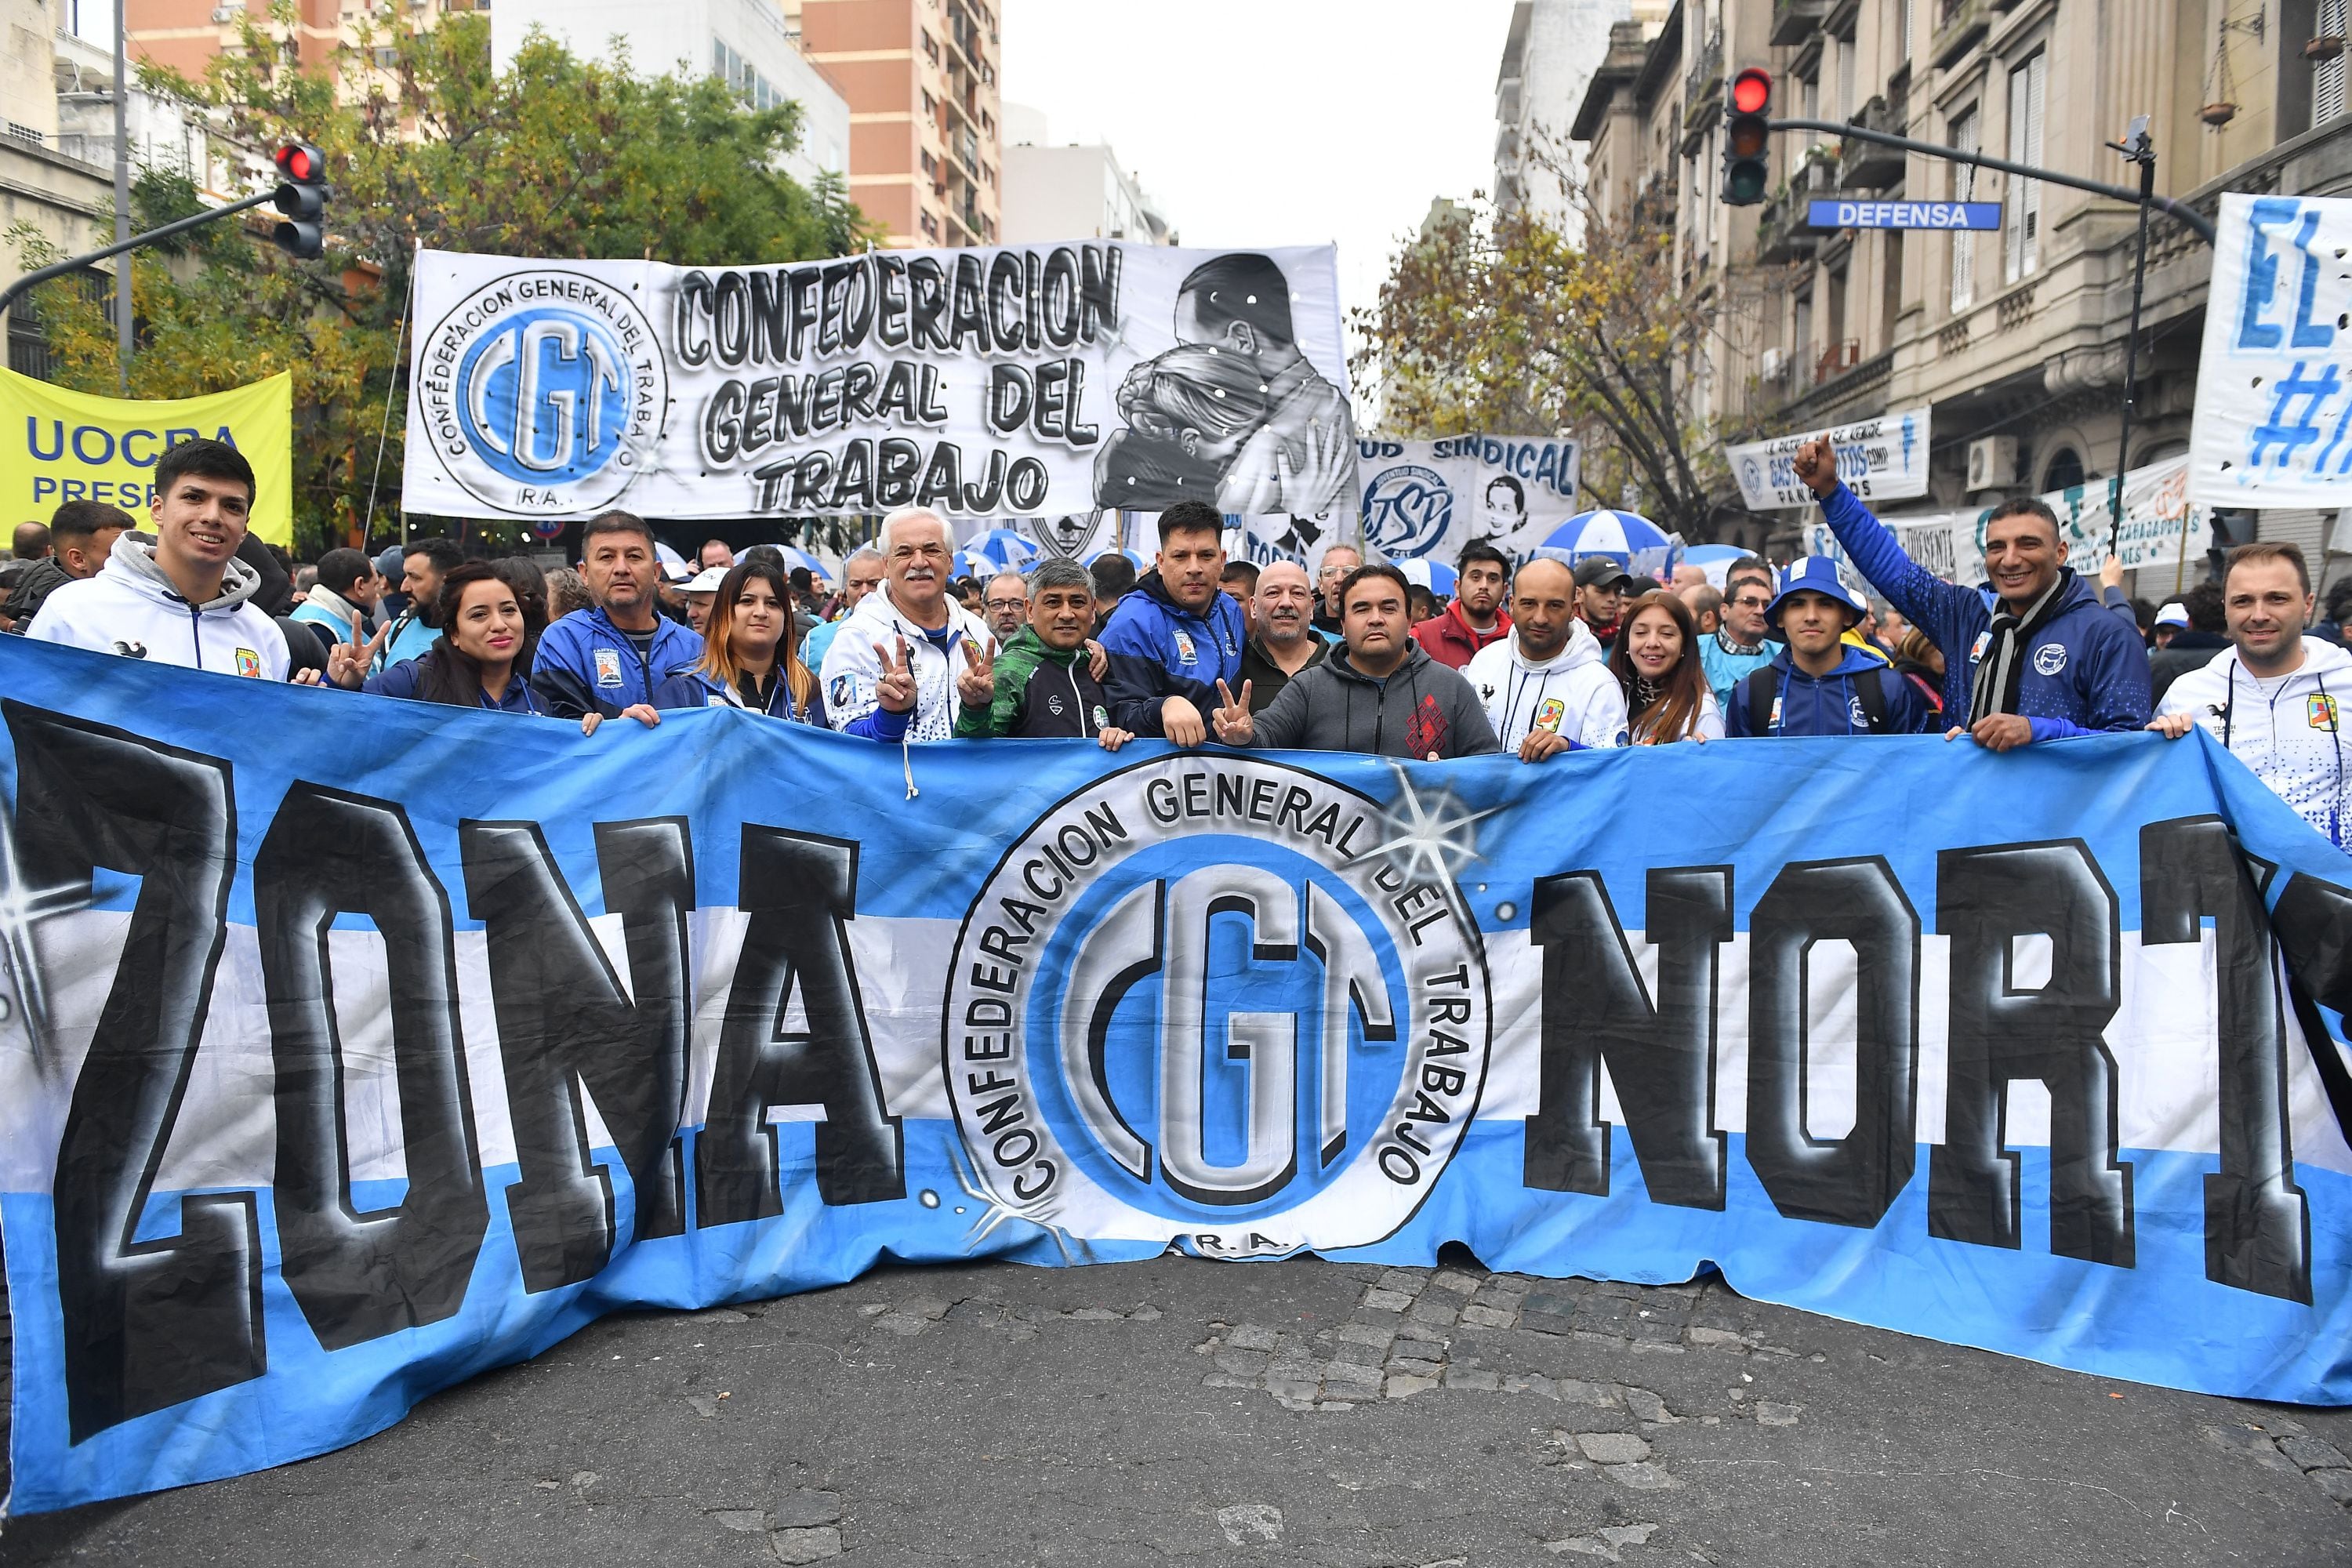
(747, 658)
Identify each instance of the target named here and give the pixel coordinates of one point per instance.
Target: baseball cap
(2175, 613)
(1602, 570)
(707, 581)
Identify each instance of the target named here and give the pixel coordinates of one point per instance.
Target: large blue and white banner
(354, 1046)
(2274, 416)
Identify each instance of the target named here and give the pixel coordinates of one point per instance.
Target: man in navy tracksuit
(2031, 654)
(612, 659)
(1178, 634)
(1819, 684)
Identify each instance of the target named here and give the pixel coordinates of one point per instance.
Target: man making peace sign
(908, 654)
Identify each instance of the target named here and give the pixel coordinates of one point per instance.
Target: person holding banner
(747, 660)
(2031, 654)
(1656, 664)
(2275, 699)
(186, 599)
(1045, 687)
(1476, 618)
(1179, 634)
(908, 654)
(1820, 684)
(612, 658)
(1547, 686)
(1380, 694)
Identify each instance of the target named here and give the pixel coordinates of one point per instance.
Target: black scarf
(2002, 667)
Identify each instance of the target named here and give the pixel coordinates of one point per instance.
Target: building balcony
(1868, 165)
(1960, 26)
(1781, 234)
(1703, 80)
(1794, 19)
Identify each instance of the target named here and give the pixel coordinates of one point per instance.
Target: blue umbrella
(795, 556)
(1006, 549)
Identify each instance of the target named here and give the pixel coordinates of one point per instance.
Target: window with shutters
(1964, 189)
(2021, 229)
(2327, 76)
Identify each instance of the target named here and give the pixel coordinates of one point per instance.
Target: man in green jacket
(1043, 685)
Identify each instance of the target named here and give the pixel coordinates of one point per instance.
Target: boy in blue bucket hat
(1819, 684)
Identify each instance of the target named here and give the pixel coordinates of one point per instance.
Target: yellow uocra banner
(58, 446)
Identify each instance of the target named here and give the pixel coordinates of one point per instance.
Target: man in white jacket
(2275, 698)
(908, 654)
(185, 599)
(1547, 686)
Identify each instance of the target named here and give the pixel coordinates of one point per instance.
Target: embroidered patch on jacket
(2050, 658)
(1550, 713)
(608, 667)
(2319, 712)
(1184, 647)
(249, 663)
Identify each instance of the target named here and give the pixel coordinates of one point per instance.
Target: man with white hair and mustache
(908, 654)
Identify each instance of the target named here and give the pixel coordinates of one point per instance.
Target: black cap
(1601, 570)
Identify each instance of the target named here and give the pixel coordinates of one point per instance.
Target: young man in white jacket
(1547, 686)
(2275, 698)
(185, 599)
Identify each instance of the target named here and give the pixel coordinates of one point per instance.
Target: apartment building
(1075, 191)
(926, 152)
(2014, 339)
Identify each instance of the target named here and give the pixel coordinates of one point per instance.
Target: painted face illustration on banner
(1212, 1031)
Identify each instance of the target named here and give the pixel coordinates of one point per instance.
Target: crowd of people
(1538, 658)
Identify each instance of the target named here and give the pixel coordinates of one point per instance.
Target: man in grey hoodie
(1380, 694)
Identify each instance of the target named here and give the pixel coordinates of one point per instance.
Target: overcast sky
(1273, 122)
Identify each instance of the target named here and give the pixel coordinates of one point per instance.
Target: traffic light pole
(15, 290)
(2143, 197)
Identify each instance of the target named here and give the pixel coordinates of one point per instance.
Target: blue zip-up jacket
(2086, 670)
(584, 663)
(1803, 704)
(696, 690)
(1193, 651)
(406, 678)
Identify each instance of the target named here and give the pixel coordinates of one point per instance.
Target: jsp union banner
(1021, 380)
(333, 1075)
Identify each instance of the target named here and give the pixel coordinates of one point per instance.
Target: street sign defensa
(1903, 214)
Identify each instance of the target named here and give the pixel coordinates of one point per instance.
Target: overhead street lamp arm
(2187, 214)
(74, 263)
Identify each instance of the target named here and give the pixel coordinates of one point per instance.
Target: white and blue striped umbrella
(1435, 575)
(795, 556)
(1620, 535)
(1005, 549)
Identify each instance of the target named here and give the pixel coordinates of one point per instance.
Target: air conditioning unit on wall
(1773, 365)
(1993, 462)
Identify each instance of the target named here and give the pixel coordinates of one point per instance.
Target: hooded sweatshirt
(1420, 708)
(131, 608)
(2085, 671)
(2288, 729)
(1572, 693)
(1194, 650)
(1453, 641)
(1829, 704)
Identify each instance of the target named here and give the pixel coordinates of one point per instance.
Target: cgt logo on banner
(1312, 1015)
(2274, 416)
(327, 1081)
(1430, 500)
(1029, 381)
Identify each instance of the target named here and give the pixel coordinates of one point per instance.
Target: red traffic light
(301, 163)
(1751, 91)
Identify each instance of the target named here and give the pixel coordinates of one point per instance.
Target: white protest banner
(1030, 380)
(2274, 414)
(1430, 498)
(2156, 508)
(1879, 459)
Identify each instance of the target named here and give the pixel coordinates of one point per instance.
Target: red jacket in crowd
(1451, 641)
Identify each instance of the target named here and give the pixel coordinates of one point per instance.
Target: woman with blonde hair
(1656, 661)
(747, 659)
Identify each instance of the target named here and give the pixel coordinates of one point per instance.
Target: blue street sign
(1903, 214)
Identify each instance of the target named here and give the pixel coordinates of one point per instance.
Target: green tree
(427, 144)
(1500, 322)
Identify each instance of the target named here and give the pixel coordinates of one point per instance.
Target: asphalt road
(1292, 1413)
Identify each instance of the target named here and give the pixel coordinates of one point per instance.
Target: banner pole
(383, 425)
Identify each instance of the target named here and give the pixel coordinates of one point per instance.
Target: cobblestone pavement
(1293, 1413)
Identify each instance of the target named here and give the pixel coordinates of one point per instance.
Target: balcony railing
(1959, 23)
(1704, 78)
(1794, 20)
(1869, 165)
(1781, 234)
(1836, 359)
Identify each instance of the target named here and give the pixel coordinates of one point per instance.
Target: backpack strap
(1872, 691)
(1758, 687)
